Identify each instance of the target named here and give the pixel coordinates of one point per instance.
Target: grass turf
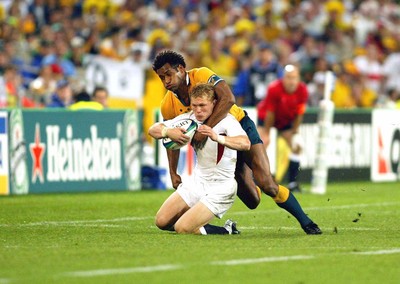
(111, 238)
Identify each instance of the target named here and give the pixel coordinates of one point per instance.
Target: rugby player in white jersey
(212, 189)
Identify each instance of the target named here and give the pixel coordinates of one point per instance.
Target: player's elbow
(153, 132)
(245, 144)
(231, 102)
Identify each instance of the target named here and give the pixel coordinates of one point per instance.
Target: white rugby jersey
(216, 162)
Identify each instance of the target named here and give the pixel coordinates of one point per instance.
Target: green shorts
(251, 130)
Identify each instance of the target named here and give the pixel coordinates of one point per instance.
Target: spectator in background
(241, 86)
(316, 89)
(339, 46)
(60, 57)
(62, 97)
(391, 69)
(100, 95)
(264, 69)
(340, 29)
(14, 93)
(364, 96)
(306, 56)
(391, 100)
(82, 101)
(342, 95)
(220, 62)
(139, 54)
(44, 85)
(113, 45)
(370, 67)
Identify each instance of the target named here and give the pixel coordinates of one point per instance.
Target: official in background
(283, 108)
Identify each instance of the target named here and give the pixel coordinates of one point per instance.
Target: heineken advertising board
(71, 151)
(4, 169)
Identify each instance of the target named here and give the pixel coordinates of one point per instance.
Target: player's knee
(253, 204)
(182, 229)
(162, 222)
(270, 190)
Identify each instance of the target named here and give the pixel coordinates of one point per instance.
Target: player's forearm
(225, 100)
(173, 158)
(239, 143)
(157, 131)
(296, 123)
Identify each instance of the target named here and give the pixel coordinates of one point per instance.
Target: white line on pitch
(57, 223)
(168, 267)
(378, 252)
(101, 272)
(261, 260)
(334, 207)
(296, 228)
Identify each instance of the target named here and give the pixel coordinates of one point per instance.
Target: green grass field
(111, 238)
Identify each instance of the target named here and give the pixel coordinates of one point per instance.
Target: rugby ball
(189, 125)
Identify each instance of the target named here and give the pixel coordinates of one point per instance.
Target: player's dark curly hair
(168, 56)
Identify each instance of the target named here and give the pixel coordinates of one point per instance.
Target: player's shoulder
(275, 86)
(166, 106)
(203, 75)
(228, 119)
(303, 87)
(200, 70)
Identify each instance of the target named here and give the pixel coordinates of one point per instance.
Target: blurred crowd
(246, 42)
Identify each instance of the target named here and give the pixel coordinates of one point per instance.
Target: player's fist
(176, 180)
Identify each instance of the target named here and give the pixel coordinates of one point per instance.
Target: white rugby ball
(189, 125)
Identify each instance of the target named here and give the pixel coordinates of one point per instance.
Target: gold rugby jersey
(171, 106)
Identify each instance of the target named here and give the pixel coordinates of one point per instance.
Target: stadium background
(112, 43)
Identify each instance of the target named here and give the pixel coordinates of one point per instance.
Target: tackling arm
(225, 100)
(239, 143)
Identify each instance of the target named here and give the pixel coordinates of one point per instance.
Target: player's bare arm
(268, 123)
(239, 143)
(225, 100)
(173, 158)
(159, 130)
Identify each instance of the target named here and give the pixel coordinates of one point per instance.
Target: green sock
(293, 207)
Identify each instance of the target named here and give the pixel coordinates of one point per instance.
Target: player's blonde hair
(203, 90)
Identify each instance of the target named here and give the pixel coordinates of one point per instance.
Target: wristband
(164, 132)
(221, 139)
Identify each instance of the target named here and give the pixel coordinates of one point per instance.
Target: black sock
(215, 230)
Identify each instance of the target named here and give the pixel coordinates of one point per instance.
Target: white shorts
(215, 195)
